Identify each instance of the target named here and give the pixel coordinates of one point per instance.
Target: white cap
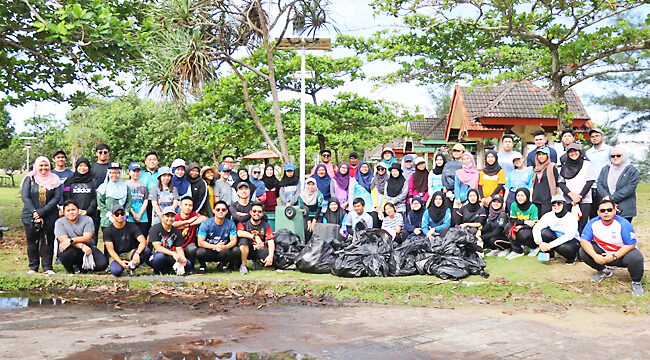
(178, 162)
(418, 160)
(516, 155)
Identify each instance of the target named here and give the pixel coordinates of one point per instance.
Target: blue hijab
(323, 183)
(364, 180)
(259, 184)
(180, 183)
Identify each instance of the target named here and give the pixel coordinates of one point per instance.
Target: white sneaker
(514, 255)
(533, 252)
(30, 272)
(503, 253)
(494, 252)
(50, 272)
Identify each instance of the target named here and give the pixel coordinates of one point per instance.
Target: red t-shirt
(189, 233)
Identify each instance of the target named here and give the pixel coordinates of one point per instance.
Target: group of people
(186, 215)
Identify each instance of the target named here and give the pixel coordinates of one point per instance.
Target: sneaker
(601, 274)
(494, 252)
(243, 269)
(514, 255)
(503, 253)
(570, 262)
(223, 269)
(201, 270)
(258, 265)
(533, 252)
(30, 271)
(50, 272)
(637, 288)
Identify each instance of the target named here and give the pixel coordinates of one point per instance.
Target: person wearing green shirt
(523, 216)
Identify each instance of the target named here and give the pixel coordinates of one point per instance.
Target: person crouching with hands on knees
(168, 246)
(609, 240)
(75, 234)
(255, 240)
(122, 237)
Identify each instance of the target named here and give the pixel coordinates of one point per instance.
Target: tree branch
(583, 78)
(645, 45)
(34, 12)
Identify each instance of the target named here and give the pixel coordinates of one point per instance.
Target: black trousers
(543, 209)
(73, 256)
(586, 210)
(40, 246)
(227, 257)
(568, 250)
(494, 237)
(633, 261)
(523, 237)
(190, 252)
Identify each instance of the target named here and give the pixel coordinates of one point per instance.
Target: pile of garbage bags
(372, 252)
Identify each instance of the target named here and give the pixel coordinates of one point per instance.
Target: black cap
(354, 155)
(242, 184)
(59, 151)
(326, 151)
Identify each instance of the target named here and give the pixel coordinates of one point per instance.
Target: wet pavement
(44, 330)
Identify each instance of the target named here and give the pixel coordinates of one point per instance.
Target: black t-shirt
(99, 172)
(263, 229)
(124, 239)
(237, 207)
(168, 239)
(83, 194)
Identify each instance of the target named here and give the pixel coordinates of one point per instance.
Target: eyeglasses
(256, 211)
(102, 152)
(220, 210)
(555, 203)
(608, 210)
(119, 213)
(614, 156)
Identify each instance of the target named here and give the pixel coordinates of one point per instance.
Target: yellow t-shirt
(491, 182)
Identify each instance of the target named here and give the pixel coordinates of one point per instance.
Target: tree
(633, 102)
(558, 42)
(6, 129)
(45, 45)
(187, 42)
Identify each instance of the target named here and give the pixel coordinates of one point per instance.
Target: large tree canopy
(561, 43)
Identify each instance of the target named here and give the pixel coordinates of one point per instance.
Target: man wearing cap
(326, 157)
(255, 239)
(449, 171)
(75, 233)
(222, 189)
(217, 239)
(229, 161)
(139, 199)
(59, 159)
(598, 154)
(122, 237)
(188, 221)
(240, 209)
(506, 153)
(557, 231)
(100, 167)
(354, 164)
(168, 245)
(540, 143)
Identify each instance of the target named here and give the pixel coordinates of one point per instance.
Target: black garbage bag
(405, 256)
(367, 254)
(316, 257)
(287, 249)
(454, 256)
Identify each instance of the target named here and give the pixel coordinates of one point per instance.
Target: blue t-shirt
(214, 233)
(63, 175)
(520, 179)
(609, 237)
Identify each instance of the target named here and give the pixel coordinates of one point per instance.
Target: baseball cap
(164, 170)
(498, 198)
(289, 167)
(596, 130)
(241, 184)
(573, 146)
(544, 150)
(224, 167)
(326, 151)
(134, 166)
(459, 146)
(116, 208)
(516, 155)
(353, 155)
(168, 210)
(59, 151)
(114, 165)
(419, 160)
(408, 157)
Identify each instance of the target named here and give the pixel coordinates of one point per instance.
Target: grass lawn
(522, 280)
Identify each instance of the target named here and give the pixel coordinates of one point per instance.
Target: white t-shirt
(578, 182)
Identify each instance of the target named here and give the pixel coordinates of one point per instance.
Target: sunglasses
(325, 155)
(554, 203)
(256, 211)
(119, 213)
(102, 151)
(220, 210)
(614, 156)
(608, 210)
(257, 172)
(456, 150)
(381, 169)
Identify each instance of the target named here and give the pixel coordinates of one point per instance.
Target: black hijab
(288, 181)
(471, 212)
(77, 178)
(475, 206)
(198, 186)
(395, 184)
(571, 168)
(526, 205)
(248, 181)
(270, 182)
(565, 210)
(438, 169)
(494, 168)
(415, 217)
(334, 217)
(437, 213)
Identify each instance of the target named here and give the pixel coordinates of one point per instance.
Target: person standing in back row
(598, 154)
(326, 157)
(540, 143)
(100, 168)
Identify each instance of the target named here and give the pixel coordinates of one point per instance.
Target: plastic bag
(368, 254)
(454, 256)
(287, 249)
(404, 258)
(316, 257)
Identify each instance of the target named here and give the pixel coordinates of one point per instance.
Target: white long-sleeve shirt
(565, 228)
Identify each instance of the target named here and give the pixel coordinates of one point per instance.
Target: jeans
(40, 246)
(74, 256)
(633, 261)
(117, 269)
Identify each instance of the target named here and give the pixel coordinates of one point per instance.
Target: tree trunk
(321, 141)
(215, 158)
(557, 90)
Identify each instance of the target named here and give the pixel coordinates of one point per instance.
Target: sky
(357, 18)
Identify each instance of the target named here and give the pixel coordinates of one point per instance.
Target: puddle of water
(17, 302)
(199, 354)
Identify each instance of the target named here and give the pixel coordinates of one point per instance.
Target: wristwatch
(615, 257)
(71, 242)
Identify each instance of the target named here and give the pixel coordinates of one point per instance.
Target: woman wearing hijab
(362, 186)
(323, 181)
(179, 181)
(314, 200)
(254, 178)
(493, 233)
(342, 188)
(289, 186)
(388, 156)
(208, 174)
(492, 179)
(557, 231)
(472, 214)
(271, 188)
(378, 186)
(334, 213)
(618, 181)
(407, 167)
(40, 191)
(437, 218)
(242, 175)
(544, 180)
(413, 222)
(112, 192)
(419, 182)
(523, 216)
(466, 179)
(80, 188)
(576, 178)
(435, 175)
(199, 190)
(397, 189)
(521, 176)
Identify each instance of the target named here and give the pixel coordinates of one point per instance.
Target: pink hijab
(49, 181)
(468, 175)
